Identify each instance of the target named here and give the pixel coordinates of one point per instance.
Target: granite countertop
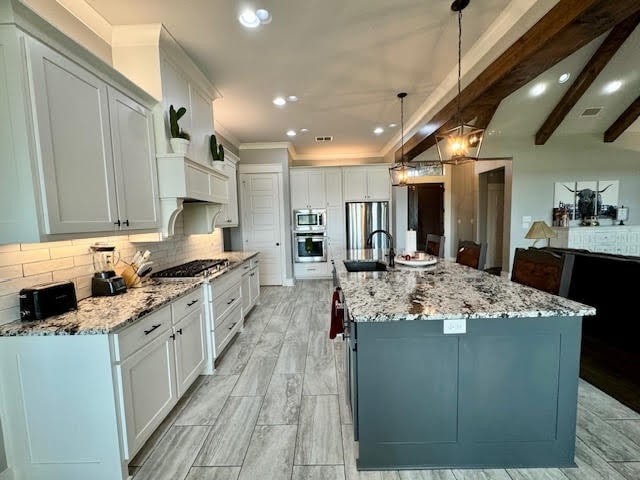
(443, 291)
(102, 315)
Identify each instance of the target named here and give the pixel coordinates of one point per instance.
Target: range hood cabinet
(190, 187)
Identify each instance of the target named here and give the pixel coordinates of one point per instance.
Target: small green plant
(174, 117)
(217, 151)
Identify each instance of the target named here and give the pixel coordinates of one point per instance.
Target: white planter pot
(179, 145)
(218, 165)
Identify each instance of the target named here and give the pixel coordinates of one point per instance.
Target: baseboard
(6, 475)
(289, 282)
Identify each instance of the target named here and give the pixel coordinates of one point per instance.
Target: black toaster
(48, 299)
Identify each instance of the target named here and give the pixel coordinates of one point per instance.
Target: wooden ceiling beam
(566, 28)
(623, 122)
(589, 73)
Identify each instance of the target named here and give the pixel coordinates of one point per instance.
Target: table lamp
(622, 214)
(539, 231)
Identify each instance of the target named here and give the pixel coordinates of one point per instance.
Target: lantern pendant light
(460, 144)
(400, 172)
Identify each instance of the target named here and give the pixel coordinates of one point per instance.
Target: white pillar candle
(410, 245)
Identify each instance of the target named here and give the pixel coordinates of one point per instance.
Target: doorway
(491, 221)
(426, 211)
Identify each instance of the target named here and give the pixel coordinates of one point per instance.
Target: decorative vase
(179, 145)
(218, 165)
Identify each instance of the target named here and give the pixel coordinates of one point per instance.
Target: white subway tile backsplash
(25, 265)
(47, 266)
(20, 257)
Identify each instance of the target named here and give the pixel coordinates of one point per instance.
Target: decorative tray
(414, 262)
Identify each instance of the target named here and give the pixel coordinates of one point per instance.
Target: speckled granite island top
(102, 315)
(446, 290)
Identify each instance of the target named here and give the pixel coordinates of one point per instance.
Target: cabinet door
(246, 293)
(355, 184)
(254, 285)
(378, 183)
(333, 187)
(134, 162)
(201, 126)
(229, 213)
(190, 349)
(299, 190)
(317, 195)
(148, 389)
(76, 160)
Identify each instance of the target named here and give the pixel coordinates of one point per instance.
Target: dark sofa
(610, 356)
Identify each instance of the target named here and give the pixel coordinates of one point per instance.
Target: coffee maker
(105, 281)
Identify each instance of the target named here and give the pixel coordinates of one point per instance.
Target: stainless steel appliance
(310, 247)
(194, 269)
(362, 219)
(311, 220)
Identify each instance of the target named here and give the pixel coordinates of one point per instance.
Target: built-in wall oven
(310, 247)
(311, 220)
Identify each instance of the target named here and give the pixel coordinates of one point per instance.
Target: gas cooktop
(195, 268)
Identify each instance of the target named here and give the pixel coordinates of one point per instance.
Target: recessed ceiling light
(538, 89)
(393, 125)
(249, 19)
(263, 15)
(279, 101)
(378, 130)
(564, 77)
(304, 130)
(292, 98)
(291, 133)
(612, 87)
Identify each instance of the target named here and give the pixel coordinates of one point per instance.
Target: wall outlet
(455, 326)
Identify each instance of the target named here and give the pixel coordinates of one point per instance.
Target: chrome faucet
(392, 253)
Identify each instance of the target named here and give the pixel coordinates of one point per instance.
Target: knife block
(131, 278)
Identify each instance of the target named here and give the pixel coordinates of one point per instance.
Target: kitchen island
(451, 367)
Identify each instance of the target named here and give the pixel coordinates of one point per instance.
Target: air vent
(324, 139)
(591, 112)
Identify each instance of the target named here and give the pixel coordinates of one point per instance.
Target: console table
(619, 239)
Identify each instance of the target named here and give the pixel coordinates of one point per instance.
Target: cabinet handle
(172, 336)
(126, 222)
(192, 303)
(277, 244)
(232, 325)
(311, 269)
(153, 327)
(246, 267)
(117, 223)
(231, 301)
(180, 331)
(252, 275)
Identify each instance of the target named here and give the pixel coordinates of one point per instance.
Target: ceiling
(345, 60)
(624, 66)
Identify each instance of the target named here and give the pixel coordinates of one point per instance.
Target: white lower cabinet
(190, 349)
(149, 390)
(311, 270)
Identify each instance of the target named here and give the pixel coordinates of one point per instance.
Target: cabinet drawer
(602, 238)
(225, 302)
(229, 324)
(316, 269)
(141, 333)
(221, 284)
(186, 304)
(254, 261)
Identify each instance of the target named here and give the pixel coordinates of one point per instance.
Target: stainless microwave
(312, 220)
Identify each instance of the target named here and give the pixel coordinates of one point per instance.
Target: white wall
(568, 158)
(3, 458)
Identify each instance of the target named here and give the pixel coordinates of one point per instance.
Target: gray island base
(503, 394)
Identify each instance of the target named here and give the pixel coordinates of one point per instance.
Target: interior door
(262, 223)
(495, 219)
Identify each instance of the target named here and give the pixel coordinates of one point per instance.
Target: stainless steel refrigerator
(362, 219)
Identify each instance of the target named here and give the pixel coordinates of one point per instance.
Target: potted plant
(217, 151)
(180, 139)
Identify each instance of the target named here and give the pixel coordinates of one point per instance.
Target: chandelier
(401, 171)
(462, 143)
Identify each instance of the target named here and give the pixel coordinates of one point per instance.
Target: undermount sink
(364, 266)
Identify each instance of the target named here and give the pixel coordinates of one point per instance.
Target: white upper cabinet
(134, 161)
(333, 184)
(74, 148)
(307, 189)
(366, 184)
(76, 161)
(229, 213)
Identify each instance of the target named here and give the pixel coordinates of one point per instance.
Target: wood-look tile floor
(275, 410)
